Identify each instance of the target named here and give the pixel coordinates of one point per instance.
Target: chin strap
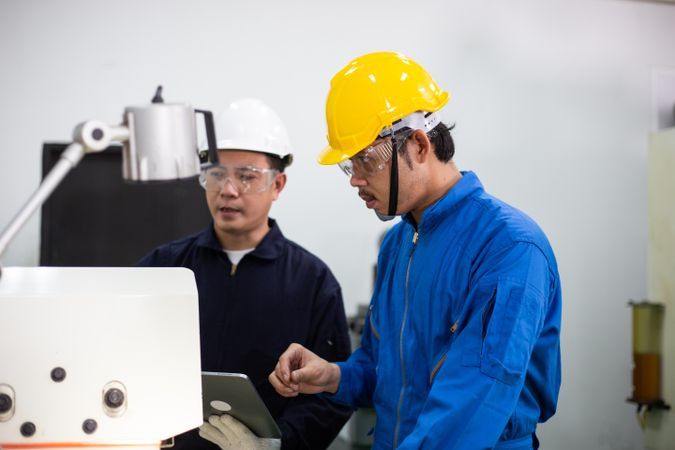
(393, 178)
(419, 120)
(426, 121)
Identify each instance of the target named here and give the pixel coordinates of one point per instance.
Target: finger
(291, 359)
(282, 368)
(207, 428)
(224, 430)
(274, 380)
(212, 434)
(302, 376)
(277, 373)
(280, 387)
(238, 428)
(313, 378)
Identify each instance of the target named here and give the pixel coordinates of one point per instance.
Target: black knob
(114, 398)
(89, 426)
(27, 429)
(58, 374)
(5, 403)
(97, 134)
(158, 95)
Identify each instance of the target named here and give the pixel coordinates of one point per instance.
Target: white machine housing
(135, 329)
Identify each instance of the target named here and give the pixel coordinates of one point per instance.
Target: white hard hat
(249, 124)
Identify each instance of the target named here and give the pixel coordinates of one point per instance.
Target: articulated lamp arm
(88, 137)
(159, 145)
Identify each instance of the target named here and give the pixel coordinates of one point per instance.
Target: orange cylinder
(647, 348)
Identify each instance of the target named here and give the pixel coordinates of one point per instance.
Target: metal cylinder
(162, 143)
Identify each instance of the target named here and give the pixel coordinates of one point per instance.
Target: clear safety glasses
(373, 158)
(245, 179)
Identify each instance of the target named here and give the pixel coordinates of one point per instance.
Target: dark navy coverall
(250, 313)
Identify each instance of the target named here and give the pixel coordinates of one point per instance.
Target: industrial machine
(104, 357)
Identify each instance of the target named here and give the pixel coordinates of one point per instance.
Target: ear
(421, 149)
(278, 185)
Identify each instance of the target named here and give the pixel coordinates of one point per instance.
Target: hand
(299, 371)
(229, 434)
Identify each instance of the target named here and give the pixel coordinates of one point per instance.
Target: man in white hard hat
(258, 291)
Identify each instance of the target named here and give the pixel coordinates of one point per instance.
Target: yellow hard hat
(371, 93)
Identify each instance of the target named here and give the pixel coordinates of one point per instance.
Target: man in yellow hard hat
(462, 349)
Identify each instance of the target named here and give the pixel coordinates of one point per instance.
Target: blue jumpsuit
(463, 346)
(249, 314)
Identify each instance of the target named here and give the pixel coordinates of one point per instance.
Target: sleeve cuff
(342, 395)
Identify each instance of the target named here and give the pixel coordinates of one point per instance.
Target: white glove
(229, 434)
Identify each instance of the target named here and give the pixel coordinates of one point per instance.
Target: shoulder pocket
(512, 330)
(499, 339)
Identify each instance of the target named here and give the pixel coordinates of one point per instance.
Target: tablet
(234, 394)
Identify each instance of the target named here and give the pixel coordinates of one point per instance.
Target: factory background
(553, 103)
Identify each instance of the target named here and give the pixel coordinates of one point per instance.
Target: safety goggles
(244, 179)
(373, 158)
(369, 160)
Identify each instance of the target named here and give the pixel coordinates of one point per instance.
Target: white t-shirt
(235, 255)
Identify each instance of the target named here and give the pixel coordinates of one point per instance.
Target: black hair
(277, 163)
(441, 139)
(444, 146)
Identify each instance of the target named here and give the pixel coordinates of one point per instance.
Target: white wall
(551, 100)
(659, 424)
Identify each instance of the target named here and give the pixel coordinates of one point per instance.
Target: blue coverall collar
(269, 248)
(468, 185)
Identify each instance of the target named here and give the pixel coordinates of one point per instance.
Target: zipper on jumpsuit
(400, 343)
